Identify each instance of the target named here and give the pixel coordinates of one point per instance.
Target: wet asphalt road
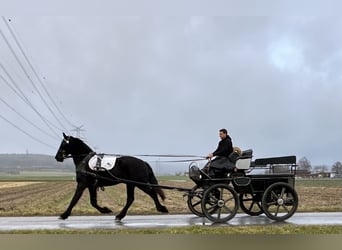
(156, 221)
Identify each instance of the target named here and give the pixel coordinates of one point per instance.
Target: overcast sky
(154, 85)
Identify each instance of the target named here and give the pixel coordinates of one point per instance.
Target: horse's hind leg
(78, 193)
(153, 194)
(130, 198)
(93, 201)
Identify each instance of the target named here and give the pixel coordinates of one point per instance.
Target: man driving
(221, 163)
(225, 146)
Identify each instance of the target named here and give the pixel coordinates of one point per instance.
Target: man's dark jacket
(225, 147)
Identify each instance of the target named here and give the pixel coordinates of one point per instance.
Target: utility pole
(78, 130)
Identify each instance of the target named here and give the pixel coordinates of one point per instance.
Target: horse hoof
(106, 210)
(64, 216)
(117, 219)
(163, 210)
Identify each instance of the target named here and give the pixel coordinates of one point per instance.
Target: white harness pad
(102, 162)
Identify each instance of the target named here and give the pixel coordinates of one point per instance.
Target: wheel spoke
(229, 199)
(285, 208)
(274, 194)
(289, 201)
(219, 213)
(259, 206)
(282, 192)
(212, 208)
(271, 203)
(197, 203)
(277, 210)
(251, 206)
(228, 209)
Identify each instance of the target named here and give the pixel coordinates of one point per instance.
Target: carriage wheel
(194, 201)
(251, 204)
(280, 201)
(220, 203)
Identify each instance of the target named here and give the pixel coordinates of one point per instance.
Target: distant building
(303, 173)
(321, 174)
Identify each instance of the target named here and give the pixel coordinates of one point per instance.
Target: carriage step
(242, 181)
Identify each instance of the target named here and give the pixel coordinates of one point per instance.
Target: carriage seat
(247, 154)
(242, 160)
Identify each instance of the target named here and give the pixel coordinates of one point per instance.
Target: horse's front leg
(93, 200)
(78, 193)
(129, 201)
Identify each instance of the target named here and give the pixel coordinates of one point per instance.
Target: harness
(102, 162)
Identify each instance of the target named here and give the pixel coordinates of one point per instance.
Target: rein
(197, 157)
(115, 179)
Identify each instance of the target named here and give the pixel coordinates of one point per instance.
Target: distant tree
(179, 173)
(337, 168)
(304, 164)
(321, 168)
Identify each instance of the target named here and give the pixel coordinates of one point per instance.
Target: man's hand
(209, 156)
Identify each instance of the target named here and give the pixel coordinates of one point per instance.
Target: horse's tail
(153, 180)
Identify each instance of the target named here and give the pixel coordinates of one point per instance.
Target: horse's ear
(65, 137)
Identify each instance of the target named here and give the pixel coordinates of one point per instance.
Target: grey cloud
(166, 85)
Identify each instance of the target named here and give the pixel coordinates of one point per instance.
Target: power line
(26, 133)
(33, 69)
(26, 119)
(24, 98)
(11, 87)
(29, 78)
(56, 106)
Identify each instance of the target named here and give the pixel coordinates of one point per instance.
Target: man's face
(222, 135)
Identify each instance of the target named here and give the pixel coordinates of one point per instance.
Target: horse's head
(64, 149)
(71, 146)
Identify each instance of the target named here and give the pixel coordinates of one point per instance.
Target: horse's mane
(81, 144)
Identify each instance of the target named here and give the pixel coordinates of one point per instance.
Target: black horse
(126, 167)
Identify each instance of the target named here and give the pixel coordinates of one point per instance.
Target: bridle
(64, 155)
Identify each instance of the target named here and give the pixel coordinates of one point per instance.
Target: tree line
(305, 165)
(31, 162)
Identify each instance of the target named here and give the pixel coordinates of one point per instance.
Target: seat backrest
(244, 161)
(234, 156)
(246, 154)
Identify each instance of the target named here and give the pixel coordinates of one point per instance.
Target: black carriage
(217, 195)
(262, 186)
